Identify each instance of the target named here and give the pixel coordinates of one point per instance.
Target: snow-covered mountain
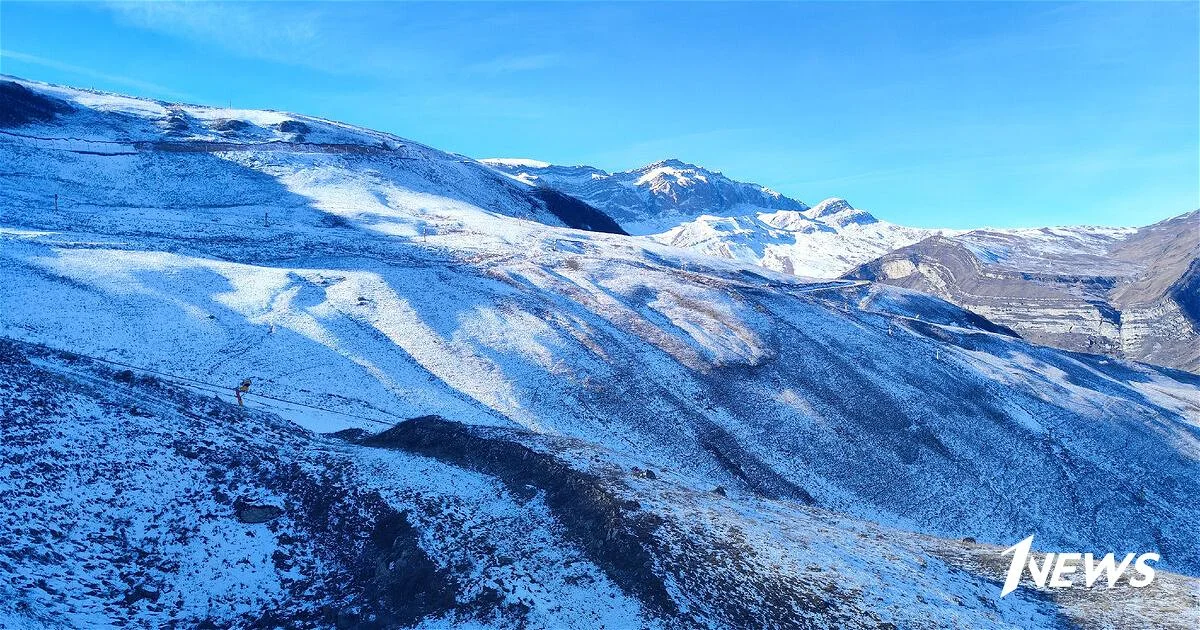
(824, 241)
(1078, 288)
(652, 198)
(688, 206)
(540, 426)
(1128, 292)
(363, 173)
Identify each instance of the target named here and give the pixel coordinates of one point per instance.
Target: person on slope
(242, 389)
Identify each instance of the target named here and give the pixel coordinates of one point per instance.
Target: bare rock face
(1127, 293)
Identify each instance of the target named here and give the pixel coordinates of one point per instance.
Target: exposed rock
(230, 125)
(254, 514)
(594, 516)
(293, 126)
(141, 592)
(176, 124)
(1133, 295)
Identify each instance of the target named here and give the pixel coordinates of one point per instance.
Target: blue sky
(929, 114)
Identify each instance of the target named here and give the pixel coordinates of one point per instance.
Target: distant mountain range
(653, 198)
(824, 241)
(689, 206)
(1125, 292)
(1131, 293)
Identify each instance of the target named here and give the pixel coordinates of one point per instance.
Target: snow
(661, 177)
(528, 163)
(813, 243)
(1072, 250)
(827, 207)
(399, 284)
(655, 197)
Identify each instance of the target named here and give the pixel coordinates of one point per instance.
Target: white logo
(1055, 568)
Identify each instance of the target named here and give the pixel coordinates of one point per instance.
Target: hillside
(443, 308)
(142, 503)
(110, 154)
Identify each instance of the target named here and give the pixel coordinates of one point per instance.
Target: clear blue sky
(937, 114)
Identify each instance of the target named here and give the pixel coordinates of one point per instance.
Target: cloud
(137, 84)
(341, 39)
(253, 30)
(517, 63)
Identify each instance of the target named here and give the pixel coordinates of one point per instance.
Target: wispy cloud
(341, 39)
(517, 63)
(130, 82)
(254, 30)
(344, 39)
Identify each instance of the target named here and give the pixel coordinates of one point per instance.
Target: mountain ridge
(652, 197)
(729, 426)
(1123, 292)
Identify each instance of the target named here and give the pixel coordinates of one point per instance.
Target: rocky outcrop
(1131, 294)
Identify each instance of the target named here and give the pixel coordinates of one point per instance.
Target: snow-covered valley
(701, 441)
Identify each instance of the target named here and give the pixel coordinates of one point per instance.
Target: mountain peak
(672, 163)
(838, 212)
(828, 207)
(651, 198)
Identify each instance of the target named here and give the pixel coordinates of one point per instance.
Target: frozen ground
(130, 501)
(389, 288)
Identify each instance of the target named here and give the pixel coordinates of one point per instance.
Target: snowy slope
(131, 501)
(654, 197)
(392, 289)
(825, 241)
(114, 154)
